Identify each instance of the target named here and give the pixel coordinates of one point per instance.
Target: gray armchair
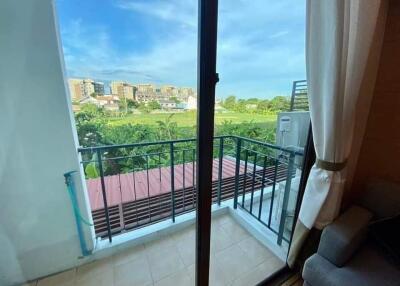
(345, 256)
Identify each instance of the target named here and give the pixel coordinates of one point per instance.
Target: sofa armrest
(341, 239)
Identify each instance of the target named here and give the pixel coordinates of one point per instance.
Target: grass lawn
(188, 119)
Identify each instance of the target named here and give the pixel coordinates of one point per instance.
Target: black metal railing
(133, 185)
(282, 164)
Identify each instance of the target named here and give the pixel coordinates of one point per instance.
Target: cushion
(341, 239)
(367, 268)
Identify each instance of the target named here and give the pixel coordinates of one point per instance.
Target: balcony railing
(134, 185)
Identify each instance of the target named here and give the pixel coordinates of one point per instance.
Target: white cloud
(181, 11)
(260, 46)
(278, 34)
(89, 53)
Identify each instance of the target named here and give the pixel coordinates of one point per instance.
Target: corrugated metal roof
(128, 187)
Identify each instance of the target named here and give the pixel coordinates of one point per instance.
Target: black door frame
(206, 80)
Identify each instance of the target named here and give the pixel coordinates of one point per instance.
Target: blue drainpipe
(78, 216)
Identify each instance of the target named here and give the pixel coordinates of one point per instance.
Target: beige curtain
(339, 35)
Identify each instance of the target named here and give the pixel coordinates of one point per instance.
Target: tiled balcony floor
(236, 259)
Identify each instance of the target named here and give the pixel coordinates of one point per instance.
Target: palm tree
(168, 128)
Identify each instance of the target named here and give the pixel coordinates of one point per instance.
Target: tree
(175, 99)
(131, 103)
(127, 105)
(279, 103)
(153, 105)
(230, 102)
(123, 105)
(253, 100)
(144, 108)
(263, 106)
(89, 122)
(167, 128)
(241, 106)
(90, 133)
(88, 112)
(127, 133)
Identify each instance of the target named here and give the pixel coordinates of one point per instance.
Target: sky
(261, 43)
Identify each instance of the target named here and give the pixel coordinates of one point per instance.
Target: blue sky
(261, 43)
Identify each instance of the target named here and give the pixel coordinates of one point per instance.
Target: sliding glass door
(252, 137)
(201, 174)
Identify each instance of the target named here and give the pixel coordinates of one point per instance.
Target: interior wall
(380, 150)
(37, 146)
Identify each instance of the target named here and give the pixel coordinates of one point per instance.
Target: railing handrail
(270, 145)
(141, 144)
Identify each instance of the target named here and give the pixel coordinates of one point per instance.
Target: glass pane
(131, 68)
(261, 64)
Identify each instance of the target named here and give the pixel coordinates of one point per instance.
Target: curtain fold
(339, 37)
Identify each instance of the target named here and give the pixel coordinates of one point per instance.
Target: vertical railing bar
(148, 185)
(103, 190)
(160, 176)
(245, 177)
(221, 153)
(237, 172)
(286, 198)
(120, 207)
(134, 192)
(273, 192)
(172, 167)
(184, 166)
(253, 183)
(193, 177)
(119, 181)
(262, 188)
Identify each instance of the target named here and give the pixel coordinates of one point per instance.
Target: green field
(188, 119)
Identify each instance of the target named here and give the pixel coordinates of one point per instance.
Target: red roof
(129, 187)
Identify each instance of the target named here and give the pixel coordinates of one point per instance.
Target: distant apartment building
(123, 89)
(149, 92)
(184, 93)
(75, 88)
(82, 88)
(146, 88)
(98, 88)
(169, 90)
(88, 87)
(146, 92)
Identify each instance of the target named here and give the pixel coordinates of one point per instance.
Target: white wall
(37, 145)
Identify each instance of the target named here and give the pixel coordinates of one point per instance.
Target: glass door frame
(206, 81)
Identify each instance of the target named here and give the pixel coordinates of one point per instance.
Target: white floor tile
(135, 272)
(237, 258)
(164, 262)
